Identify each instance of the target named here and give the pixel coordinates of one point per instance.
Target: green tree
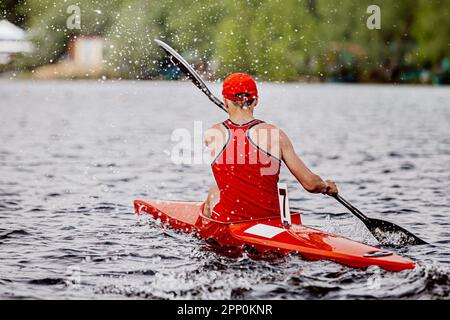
(13, 11)
(272, 39)
(48, 26)
(268, 38)
(431, 29)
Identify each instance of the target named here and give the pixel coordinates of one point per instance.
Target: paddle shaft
(184, 66)
(352, 209)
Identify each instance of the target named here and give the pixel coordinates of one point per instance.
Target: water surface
(73, 156)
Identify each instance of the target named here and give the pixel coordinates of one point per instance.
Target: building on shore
(84, 59)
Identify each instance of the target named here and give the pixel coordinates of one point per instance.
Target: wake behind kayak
(270, 235)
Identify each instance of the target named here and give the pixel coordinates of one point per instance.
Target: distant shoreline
(18, 79)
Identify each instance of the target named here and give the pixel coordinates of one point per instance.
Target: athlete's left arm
(214, 138)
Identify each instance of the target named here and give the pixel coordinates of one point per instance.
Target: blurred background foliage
(276, 40)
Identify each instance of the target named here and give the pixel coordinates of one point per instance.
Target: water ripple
(71, 168)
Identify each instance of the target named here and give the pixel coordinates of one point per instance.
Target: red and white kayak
(270, 235)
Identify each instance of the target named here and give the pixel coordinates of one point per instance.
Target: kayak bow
(270, 235)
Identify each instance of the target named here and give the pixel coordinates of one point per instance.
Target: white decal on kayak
(263, 230)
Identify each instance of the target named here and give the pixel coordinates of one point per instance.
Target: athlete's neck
(240, 115)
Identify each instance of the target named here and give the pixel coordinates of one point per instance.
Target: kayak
(270, 235)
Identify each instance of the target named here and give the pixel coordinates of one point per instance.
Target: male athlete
(247, 157)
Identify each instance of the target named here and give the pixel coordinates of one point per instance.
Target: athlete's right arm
(309, 180)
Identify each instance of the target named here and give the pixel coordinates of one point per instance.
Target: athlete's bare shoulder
(217, 125)
(216, 128)
(278, 136)
(215, 132)
(262, 128)
(266, 125)
(267, 137)
(268, 128)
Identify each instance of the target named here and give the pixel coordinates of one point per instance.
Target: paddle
(382, 230)
(184, 66)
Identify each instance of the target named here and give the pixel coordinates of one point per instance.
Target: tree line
(275, 40)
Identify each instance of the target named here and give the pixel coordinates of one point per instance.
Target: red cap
(239, 87)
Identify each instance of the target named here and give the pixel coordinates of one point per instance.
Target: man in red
(247, 157)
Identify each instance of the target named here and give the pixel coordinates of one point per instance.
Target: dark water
(73, 156)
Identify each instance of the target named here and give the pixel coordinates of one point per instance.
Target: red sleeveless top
(247, 177)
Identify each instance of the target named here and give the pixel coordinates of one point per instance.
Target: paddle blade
(388, 233)
(187, 70)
